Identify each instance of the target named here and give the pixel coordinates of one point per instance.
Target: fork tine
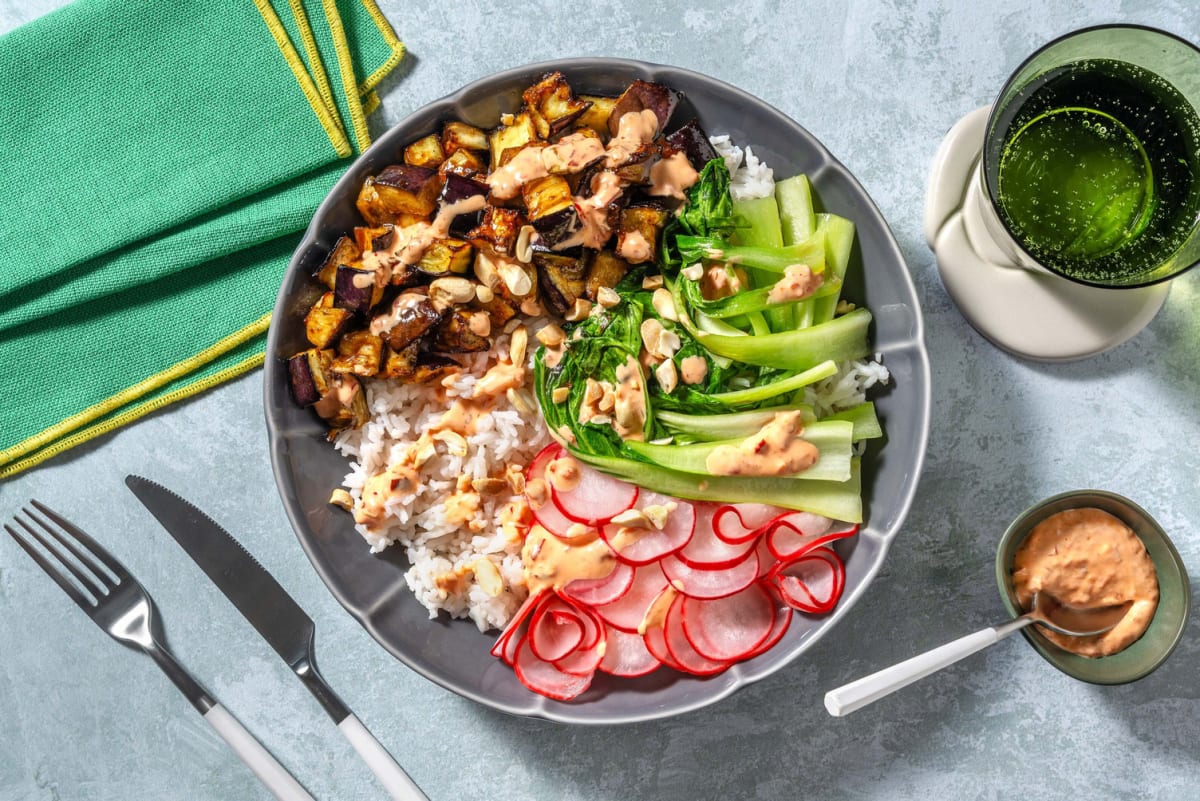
(96, 584)
(96, 550)
(49, 568)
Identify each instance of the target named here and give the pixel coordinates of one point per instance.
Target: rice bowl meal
(594, 373)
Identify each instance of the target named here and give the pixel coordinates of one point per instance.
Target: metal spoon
(1045, 611)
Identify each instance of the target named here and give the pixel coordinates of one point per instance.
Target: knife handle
(275, 776)
(381, 763)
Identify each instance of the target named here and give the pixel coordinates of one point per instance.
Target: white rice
(417, 521)
(749, 177)
(437, 548)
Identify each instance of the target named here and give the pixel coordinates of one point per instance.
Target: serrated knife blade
(272, 612)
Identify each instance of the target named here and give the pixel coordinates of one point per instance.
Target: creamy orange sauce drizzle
(776, 450)
(693, 369)
(635, 248)
(550, 563)
(672, 175)
(338, 396)
(570, 154)
(798, 282)
(1087, 559)
(563, 473)
(634, 129)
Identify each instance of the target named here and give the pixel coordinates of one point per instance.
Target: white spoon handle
(869, 689)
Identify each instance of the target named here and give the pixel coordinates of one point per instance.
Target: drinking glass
(1081, 179)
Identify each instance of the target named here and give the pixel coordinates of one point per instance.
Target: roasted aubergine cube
(325, 322)
(458, 136)
(644, 95)
(454, 335)
(447, 256)
(597, 113)
(345, 251)
(464, 162)
(379, 237)
(309, 374)
(399, 189)
(637, 238)
(691, 140)
(344, 405)
(425, 152)
(359, 352)
(410, 316)
(498, 230)
(561, 278)
(501, 307)
(459, 189)
(399, 364)
(637, 168)
(546, 196)
(513, 136)
(552, 105)
(432, 366)
(605, 269)
(355, 289)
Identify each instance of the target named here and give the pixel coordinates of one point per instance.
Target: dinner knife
(273, 613)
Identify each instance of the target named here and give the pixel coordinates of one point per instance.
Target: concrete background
(879, 83)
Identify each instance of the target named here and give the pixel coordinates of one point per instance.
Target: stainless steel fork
(114, 599)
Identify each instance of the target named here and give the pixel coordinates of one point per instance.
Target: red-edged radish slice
(793, 536)
(641, 546)
(626, 654)
(546, 679)
(728, 629)
(811, 583)
(686, 656)
(736, 523)
(705, 550)
(783, 619)
(766, 559)
(582, 662)
(554, 633)
(626, 613)
(710, 583)
(656, 644)
(547, 515)
(522, 614)
(594, 592)
(596, 498)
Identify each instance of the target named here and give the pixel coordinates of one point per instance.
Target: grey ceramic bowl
(1174, 602)
(453, 653)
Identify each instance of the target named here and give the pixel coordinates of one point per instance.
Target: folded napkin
(159, 162)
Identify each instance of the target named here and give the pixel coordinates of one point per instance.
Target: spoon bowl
(1071, 621)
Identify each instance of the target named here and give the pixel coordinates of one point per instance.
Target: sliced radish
(736, 523)
(554, 633)
(766, 559)
(639, 546)
(727, 629)
(582, 662)
(544, 678)
(705, 549)
(547, 515)
(783, 619)
(523, 612)
(681, 648)
(710, 583)
(596, 498)
(626, 654)
(792, 536)
(594, 592)
(656, 644)
(626, 613)
(813, 582)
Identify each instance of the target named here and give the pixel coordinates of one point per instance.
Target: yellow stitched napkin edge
(333, 129)
(390, 39)
(48, 436)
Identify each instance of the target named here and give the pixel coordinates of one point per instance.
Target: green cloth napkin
(159, 161)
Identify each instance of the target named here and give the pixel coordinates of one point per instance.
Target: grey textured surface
(878, 83)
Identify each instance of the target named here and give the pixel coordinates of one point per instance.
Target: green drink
(1099, 175)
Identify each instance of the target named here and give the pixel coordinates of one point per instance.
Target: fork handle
(390, 774)
(275, 776)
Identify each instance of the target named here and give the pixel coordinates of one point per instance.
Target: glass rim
(985, 161)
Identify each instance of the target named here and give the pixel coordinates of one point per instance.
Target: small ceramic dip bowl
(1174, 602)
